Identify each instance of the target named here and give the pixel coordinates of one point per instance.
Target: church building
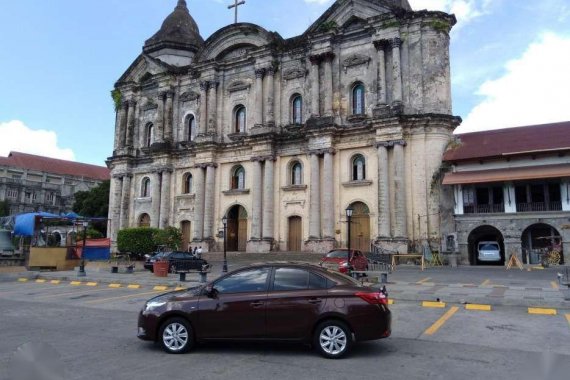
(282, 136)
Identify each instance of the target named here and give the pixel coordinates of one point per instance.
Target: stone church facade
(282, 135)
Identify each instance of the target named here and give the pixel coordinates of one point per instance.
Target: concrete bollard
(384, 278)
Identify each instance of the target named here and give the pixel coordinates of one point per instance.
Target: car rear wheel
(333, 339)
(176, 336)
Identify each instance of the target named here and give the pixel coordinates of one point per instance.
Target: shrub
(138, 241)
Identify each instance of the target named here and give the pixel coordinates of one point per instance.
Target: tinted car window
(318, 282)
(337, 254)
(254, 280)
(344, 279)
(489, 247)
(290, 279)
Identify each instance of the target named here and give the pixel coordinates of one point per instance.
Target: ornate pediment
(355, 60)
(189, 96)
(294, 73)
(239, 86)
(149, 105)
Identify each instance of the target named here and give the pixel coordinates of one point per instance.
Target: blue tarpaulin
(97, 253)
(25, 223)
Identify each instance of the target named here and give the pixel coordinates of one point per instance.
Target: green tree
(4, 208)
(93, 203)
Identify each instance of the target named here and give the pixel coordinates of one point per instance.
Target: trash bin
(160, 268)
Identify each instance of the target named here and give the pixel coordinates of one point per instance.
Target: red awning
(508, 174)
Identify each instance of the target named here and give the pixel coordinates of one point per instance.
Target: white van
(489, 251)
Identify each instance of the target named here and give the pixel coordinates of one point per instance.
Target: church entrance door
(295, 234)
(360, 229)
(237, 229)
(185, 226)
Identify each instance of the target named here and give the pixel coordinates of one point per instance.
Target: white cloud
(16, 136)
(464, 10)
(534, 89)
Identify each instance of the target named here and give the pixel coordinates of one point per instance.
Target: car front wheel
(176, 336)
(333, 339)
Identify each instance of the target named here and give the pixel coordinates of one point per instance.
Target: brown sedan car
(279, 302)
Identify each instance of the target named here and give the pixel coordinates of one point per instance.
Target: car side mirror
(211, 292)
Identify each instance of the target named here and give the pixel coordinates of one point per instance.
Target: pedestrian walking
(199, 252)
(194, 251)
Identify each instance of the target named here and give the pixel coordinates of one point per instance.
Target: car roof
(289, 264)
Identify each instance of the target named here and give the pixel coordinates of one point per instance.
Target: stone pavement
(495, 286)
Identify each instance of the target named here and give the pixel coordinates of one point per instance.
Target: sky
(59, 60)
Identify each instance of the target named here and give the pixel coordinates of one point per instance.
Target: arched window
(238, 178)
(149, 138)
(240, 119)
(296, 174)
(187, 183)
(358, 168)
(358, 99)
(297, 109)
(191, 127)
(144, 220)
(145, 188)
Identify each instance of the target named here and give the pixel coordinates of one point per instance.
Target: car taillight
(373, 298)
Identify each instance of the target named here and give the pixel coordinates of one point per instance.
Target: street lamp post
(81, 272)
(225, 223)
(349, 211)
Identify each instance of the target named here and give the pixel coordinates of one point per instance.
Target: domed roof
(179, 31)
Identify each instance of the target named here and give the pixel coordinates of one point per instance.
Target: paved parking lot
(93, 326)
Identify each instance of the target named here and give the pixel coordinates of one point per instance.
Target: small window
(238, 178)
(187, 183)
(358, 168)
(191, 128)
(145, 188)
(144, 220)
(254, 280)
(240, 119)
(297, 110)
(296, 174)
(358, 100)
(149, 138)
(290, 279)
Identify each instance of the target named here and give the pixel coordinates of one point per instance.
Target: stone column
(209, 199)
(125, 201)
(122, 124)
(315, 202)
(168, 117)
(381, 90)
(268, 201)
(258, 111)
(328, 85)
(396, 70)
(159, 125)
(212, 106)
(257, 199)
(114, 224)
(165, 199)
(131, 122)
(203, 126)
(328, 195)
(155, 193)
(384, 212)
(400, 225)
(199, 205)
(270, 96)
(315, 87)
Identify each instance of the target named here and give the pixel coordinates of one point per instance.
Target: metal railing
(484, 209)
(539, 206)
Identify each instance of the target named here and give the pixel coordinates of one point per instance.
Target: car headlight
(344, 264)
(154, 305)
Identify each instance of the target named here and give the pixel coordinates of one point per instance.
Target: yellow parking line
(134, 286)
(179, 288)
(122, 297)
(75, 283)
(538, 268)
(472, 306)
(91, 284)
(55, 282)
(390, 302)
(486, 282)
(161, 288)
(554, 285)
(114, 286)
(438, 305)
(22, 280)
(541, 311)
(424, 280)
(41, 281)
(441, 321)
(568, 318)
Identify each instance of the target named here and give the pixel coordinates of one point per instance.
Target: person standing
(199, 252)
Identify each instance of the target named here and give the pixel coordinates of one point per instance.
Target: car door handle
(257, 303)
(315, 301)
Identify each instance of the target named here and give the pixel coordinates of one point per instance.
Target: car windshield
(489, 247)
(337, 254)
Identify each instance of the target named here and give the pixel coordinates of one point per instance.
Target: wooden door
(242, 235)
(185, 227)
(360, 227)
(295, 234)
(232, 238)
